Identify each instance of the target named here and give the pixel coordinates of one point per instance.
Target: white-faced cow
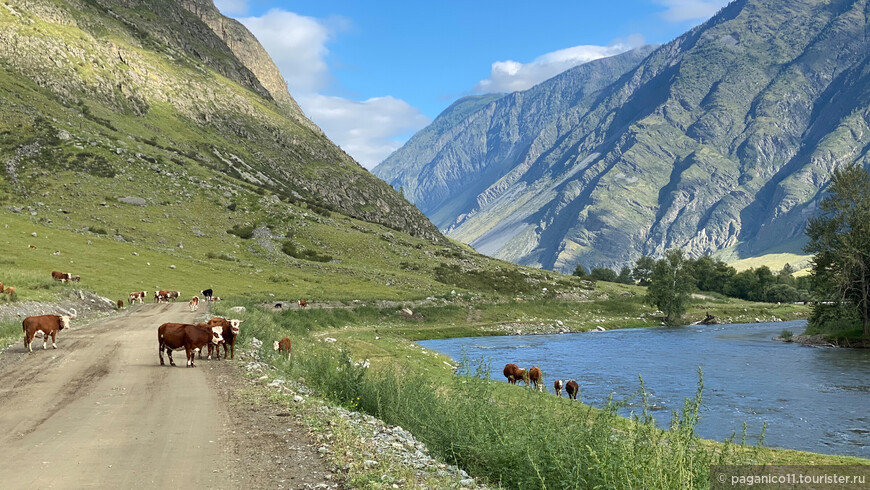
(173, 295)
(283, 345)
(60, 276)
(138, 295)
(193, 304)
(557, 387)
(43, 326)
(207, 294)
(536, 378)
(175, 336)
(229, 331)
(162, 295)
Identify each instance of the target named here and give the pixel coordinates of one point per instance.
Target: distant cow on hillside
(193, 304)
(536, 378)
(60, 276)
(513, 373)
(557, 387)
(283, 345)
(207, 294)
(138, 295)
(573, 389)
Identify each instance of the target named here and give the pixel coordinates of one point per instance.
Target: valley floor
(101, 412)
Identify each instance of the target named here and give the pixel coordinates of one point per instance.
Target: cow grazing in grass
(60, 276)
(120, 303)
(303, 303)
(513, 373)
(137, 296)
(573, 389)
(75, 278)
(536, 378)
(193, 304)
(10, 291)
(230, 330)
(43, 326)
(283, 345)
(557, 387)
(175, 336)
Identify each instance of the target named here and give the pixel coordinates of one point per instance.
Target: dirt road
(100, 412)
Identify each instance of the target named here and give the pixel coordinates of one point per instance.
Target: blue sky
(373, 73)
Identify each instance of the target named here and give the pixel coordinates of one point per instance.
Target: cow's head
(64, 322)
(234, 325)
(276, 346)
(216, 335)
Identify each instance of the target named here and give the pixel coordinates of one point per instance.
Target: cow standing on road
(174, 336)
(230, 330)
(207, 294)
(43, 326)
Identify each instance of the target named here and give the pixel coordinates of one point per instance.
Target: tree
(579, 271)
(840, 239)
(603, 274)
(624, 276)
(670, 284)
(643, 270)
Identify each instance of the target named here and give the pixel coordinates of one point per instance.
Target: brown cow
(60, 276)
(303, 303)
(174, 336)
(162, 295)
(173, 295)
(573, 389)
(137, 295)
(43, 326)
(120, 303)
(230, 332)
(557, 386)
(513, 373)
(1, 288)
(10, 291)
(536, 378)
(283, 345)
(193, 304)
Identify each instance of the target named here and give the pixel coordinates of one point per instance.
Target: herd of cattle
(533, 376)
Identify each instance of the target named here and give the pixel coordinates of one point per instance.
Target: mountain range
(719, 142)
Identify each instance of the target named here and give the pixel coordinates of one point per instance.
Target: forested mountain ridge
(720, 141)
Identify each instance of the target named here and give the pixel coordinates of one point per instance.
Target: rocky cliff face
(195, 86)
(721, 140)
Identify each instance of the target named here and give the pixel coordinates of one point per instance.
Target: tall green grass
(523, 439)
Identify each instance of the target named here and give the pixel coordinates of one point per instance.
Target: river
(814, 399)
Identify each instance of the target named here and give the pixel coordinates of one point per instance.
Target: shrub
(242, 231)
(786, 334)
(289, 248)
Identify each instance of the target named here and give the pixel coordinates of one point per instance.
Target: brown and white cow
(138, 295)
(513, 373)
(573, 389)
(173, 295)
(74, 278)
(43, 326)
(557, 387)
(162, 295)
(193, 304)
(175, 336)
(303, 303)
(60, 276)
(230, 330)
(536, 378)
(283, 345)
(10, 291)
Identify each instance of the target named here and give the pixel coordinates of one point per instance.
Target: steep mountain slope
(97, 86)
(720, 140)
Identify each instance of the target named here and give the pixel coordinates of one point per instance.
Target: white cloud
(369, 130)
(681, 10)
(297, 44)
(510, 75)
(232, 7)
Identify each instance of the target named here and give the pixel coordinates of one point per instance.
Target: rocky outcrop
(718, 142)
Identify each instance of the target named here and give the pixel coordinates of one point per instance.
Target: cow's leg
(44, 341)
(160, 353)
(191, 355)
(169, 354)
(53, 343)
(28, 342)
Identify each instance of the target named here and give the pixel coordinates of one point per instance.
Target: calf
(43, 326)
(557, 386)
(513, 373)
(162, 295)
(229, 330)
(193, 304)
(536, 378)
(174, 336)
(573, 389)
(10, 291)
(138, 295)
(75, 278)
(283, 345)
(207, 294)
(120, 303)
(303, 303)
